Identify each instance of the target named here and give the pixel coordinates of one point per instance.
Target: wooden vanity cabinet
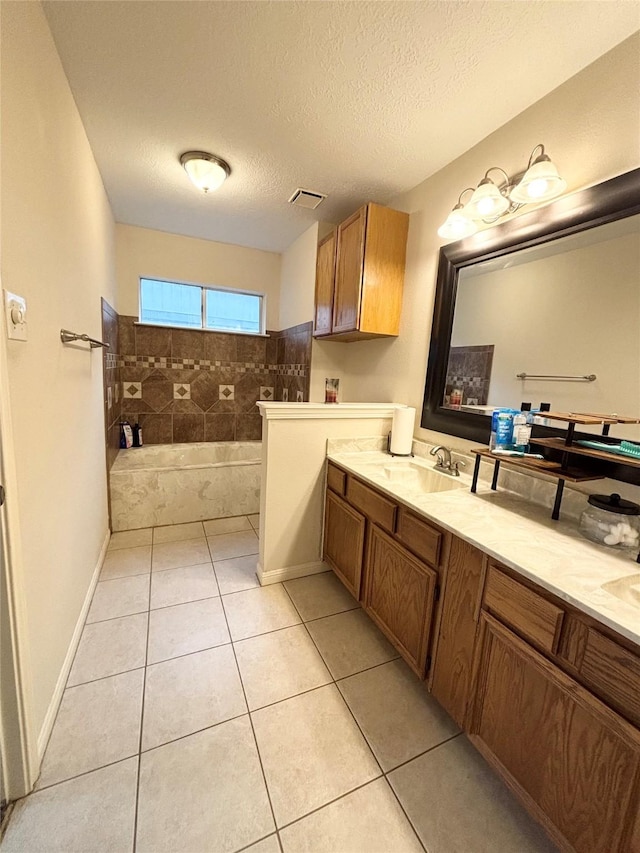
(608, 666)
(452, 671)
(548, 695)
(574, 762)
(397, 585)
(360, 276)
(344, 531)
(399, 595)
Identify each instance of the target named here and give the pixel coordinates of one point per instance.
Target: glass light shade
(539, 183)
(486, 202)
(207, 172)
(457, 225)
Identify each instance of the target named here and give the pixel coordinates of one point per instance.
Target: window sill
(208, 331)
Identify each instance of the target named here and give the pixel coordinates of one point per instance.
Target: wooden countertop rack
(561, 470)
(588, 419)
(557, 470)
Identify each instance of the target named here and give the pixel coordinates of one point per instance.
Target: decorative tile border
(291, 369)
(167, 363)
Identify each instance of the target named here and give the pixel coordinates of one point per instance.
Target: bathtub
(175, 483)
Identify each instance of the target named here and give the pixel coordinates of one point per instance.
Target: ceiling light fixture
(206, 171)
(490, 200)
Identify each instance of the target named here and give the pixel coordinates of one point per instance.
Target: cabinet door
(349, 264)
(574, 762)
(453, 659)
(344, 542)
(399, 596)
(383, 271)
(325, 280)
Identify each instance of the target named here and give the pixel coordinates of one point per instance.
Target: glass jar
(610, 520)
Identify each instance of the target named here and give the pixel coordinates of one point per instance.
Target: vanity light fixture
(540, 182)
(487, 201)
(490, 200)
(457, 226)
(206, 171)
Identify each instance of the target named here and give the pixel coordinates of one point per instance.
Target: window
(170, 303)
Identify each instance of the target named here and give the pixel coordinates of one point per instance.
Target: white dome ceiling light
(206, 171)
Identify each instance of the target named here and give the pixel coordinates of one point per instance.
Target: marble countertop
(519, 534)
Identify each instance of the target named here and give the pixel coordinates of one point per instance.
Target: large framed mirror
(553, 294)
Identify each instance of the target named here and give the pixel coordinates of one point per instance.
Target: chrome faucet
(443, 461)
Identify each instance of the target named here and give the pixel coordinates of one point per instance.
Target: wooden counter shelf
(544, 466)
(588, 419)
(578, 450)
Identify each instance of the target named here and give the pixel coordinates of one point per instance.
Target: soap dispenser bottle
(522, 429)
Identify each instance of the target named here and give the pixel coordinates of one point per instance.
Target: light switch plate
(15, 311)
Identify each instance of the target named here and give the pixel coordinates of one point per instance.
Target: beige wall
(591, 128)
(156, 254)
(57, 251)
(294, 449)
(297, 279)
(297, 286)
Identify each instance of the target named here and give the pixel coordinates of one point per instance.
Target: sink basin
(626, 589)
(412, 475)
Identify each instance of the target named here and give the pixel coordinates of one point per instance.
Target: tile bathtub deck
(204, 713)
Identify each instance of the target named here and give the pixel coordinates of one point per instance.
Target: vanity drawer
(336, 479)
(522, 609)
(613, 673)
(418, 535)
(375, 506)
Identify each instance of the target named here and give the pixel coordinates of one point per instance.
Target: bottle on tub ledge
(137, 435)
(126, 435)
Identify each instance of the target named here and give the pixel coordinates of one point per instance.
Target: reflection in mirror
(567, 308)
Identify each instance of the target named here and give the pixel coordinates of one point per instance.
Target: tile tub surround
(211, 761)
(112, 381)
(293, 363)
(520, 534)
(189, 385)
(180, 483)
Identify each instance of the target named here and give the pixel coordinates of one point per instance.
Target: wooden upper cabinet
(325, 276)
(346, 302)
(366, 289)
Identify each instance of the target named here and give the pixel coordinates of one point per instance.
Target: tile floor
(204, 714)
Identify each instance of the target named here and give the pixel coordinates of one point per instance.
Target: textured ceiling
(359, 100)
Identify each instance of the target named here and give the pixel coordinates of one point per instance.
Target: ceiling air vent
(306, 198)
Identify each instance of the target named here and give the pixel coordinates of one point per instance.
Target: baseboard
(50, 716)
(290, 572)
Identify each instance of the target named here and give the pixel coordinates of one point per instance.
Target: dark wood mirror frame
(606, 202)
